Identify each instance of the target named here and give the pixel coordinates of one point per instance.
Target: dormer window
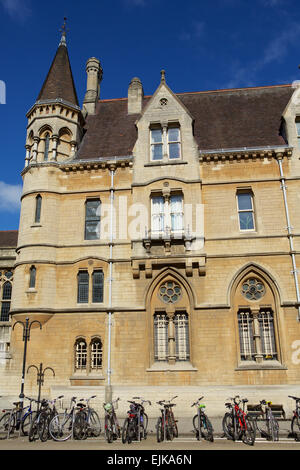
(165, 142)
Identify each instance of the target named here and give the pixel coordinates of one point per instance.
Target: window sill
(36, 225)
(178, 366)
(165, 163)
(266, 365)
(31, 291)
(86, 380)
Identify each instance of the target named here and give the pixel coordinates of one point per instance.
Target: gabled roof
(223, 119)
(59, 82)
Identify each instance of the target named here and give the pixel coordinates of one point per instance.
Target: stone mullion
(256, 335)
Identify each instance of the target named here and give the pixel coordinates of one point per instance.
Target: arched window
(6, 298)
(47, 144)
(80, 354)
(256, 319)
(38, 208)
(96, 354)
(32, 277)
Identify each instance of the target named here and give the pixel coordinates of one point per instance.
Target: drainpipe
(110, 280)
(290, 234)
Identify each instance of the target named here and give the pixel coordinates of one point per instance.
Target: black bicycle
(202, 425)
(136, 423)
(112, 429)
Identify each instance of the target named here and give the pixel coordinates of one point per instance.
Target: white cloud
(17, 9)
(10, 197)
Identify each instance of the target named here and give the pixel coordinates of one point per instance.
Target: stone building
(158, 244)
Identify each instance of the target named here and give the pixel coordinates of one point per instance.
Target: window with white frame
(96, 354)
(245, 210)
(161, 322)
(80, 354)
(165, 141)
(257, 335)
(167, 214)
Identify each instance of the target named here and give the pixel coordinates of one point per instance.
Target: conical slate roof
(59, 82)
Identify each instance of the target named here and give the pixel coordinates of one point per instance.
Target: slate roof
(8, 238)
(59, 82)
(223, 119)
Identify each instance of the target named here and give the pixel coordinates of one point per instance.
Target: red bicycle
(237, 426)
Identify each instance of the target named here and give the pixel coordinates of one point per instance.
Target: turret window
(38, 209)
(47, 145)
(32, 277)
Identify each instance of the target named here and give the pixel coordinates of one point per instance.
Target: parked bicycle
(64, 426)
(112, 429)
(39, 428)
(135, 425)
(295, 423)
(236, 424)
(17, 419)
(266, 423)
(87, 421)
(166, 427)
(202, 425)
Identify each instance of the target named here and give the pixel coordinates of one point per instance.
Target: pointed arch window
(47, 145)
(6, 298)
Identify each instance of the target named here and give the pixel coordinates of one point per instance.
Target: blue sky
(202, 45)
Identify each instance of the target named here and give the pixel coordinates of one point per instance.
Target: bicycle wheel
(43, 427)
(61, 427)
(125, 431)
(228, 427)
(169, 431)
(26, 422)
(295, 427)
(248, 432)
(33, 433)
(80, 426)
(159, 430)
(6, 424)
(206, 428)
(273, 429)
(94, 425)
(108, 430)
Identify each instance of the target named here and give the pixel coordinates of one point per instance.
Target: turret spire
(63, 31)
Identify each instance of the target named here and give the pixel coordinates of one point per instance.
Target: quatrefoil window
(170, 292)
(164, 102)
(253, 289)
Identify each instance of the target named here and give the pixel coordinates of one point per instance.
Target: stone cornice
(245, 154)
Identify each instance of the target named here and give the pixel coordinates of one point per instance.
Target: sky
(202, 45)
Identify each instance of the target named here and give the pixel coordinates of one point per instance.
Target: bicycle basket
(108, 407)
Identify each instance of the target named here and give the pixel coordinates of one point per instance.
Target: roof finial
(63, 31)
(163, 76)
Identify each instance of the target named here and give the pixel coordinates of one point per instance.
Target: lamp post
(40, 378)
(26, 337)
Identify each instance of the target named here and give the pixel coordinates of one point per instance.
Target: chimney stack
(94, 76)
(135, 96)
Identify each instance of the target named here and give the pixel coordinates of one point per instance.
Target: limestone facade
(180, 276)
